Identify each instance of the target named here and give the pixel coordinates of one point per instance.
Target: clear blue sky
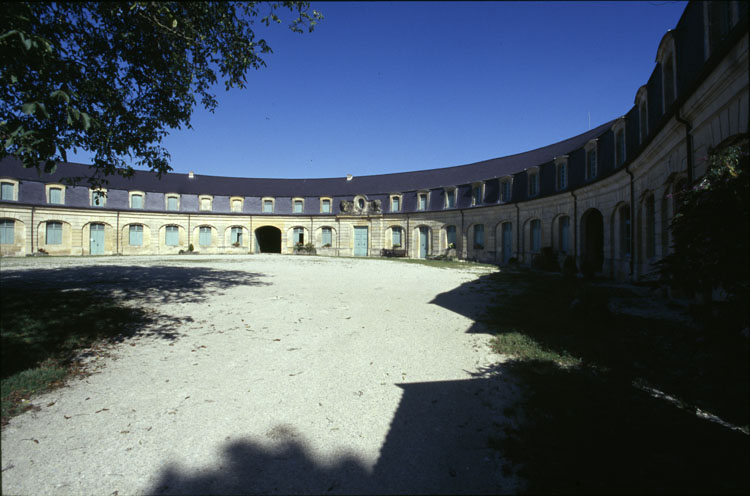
(388, 87)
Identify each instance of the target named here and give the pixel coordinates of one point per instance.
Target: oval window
(361, 203)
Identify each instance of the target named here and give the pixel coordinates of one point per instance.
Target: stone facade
(618, 217)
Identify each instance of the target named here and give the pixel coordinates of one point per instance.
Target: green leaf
(28, 108)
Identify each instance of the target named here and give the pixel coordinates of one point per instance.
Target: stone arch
(505, 241)
(230, 239)
(388, 241)
(90, 241)
(592, 240)
(297, 234)
(557, 233)
(268, 239)
(18, 233)
(66, 237)
(145, 236)
(421, 245)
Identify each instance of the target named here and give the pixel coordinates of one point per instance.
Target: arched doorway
(592, 240)
(268, 239)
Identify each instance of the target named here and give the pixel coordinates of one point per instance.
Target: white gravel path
(270, 374)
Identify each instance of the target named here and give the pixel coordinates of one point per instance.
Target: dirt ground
(269, 374)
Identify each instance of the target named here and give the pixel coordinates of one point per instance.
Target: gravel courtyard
(269, 374)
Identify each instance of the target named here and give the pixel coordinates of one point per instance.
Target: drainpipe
(632, 221)
(575, 225)
(311, 230)
(338, 236)
(32, 230)
(688, 144)
(117, 235)
(188, 230)
(518, 230)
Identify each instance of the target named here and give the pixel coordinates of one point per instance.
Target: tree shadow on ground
(438, 443)
(158, 283)
(53, 313)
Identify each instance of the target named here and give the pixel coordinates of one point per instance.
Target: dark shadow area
(438, 443)
(268, 239)
(603, 423)
(579, 431)
(158, 283)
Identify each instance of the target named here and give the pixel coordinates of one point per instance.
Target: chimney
(349, 177)
(190, 175)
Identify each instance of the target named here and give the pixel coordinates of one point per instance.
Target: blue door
(507, 241)
(360, 241)
(96, 239)
(424, 241)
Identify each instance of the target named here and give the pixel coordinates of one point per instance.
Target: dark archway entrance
(268, 239)
(592, 241)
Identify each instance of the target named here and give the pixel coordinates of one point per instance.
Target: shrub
(191, 248)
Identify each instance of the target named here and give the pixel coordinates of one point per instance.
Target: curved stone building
(603, 196)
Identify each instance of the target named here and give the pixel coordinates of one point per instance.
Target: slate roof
(369, 185)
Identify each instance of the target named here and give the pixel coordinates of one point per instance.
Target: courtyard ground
(264, 374)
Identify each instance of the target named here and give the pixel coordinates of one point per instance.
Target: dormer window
(641, 101)
(8, 191)
(136, 199)
(450, 198)
(477, 193)
(506, 189)
(98, 197)
(236, 204)
(591, 160)
(172, 202)
(533, 175)
(395, 203)
(666, 58)
(298, 205)
(55, 194)
(422, 201)
(619, 131)
(206, 202)
(268, 205)
(561, 172)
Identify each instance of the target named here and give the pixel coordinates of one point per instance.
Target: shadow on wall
(437, 444)
(158, 284)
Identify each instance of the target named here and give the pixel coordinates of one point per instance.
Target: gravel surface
(269, 374)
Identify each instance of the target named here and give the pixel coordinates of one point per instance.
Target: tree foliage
(113, 78)
(710, 229)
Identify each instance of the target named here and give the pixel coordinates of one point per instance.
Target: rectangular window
(450, 198)
(6, 191)
(668, 83)
(299, 236)
(54, 233)
(327, 236)
(297, 206)
(236, 236)
(98, 199)
(536, 235)
(136, 201)
(172, 236)
(643, 115)
(395, 204)
(533, 184)
(204, 236)
(562, 176)
(7, 231)
(422, 201)
(205, 203)
(505, 191)
(55, 196)
(476, 195)
(136, 235)
(591, 164)
(397, 237)
(172, 203)
(450, 234)
(325, 207)
(236, 205)
(479, 237)
(267, 206)
(564, 234)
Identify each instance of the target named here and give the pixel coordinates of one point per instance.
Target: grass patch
(442, 264)
(582, 424)
(42, 331)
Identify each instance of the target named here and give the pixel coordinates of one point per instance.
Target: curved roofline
(375, 184)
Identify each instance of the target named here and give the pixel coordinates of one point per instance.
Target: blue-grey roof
(368, 185)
